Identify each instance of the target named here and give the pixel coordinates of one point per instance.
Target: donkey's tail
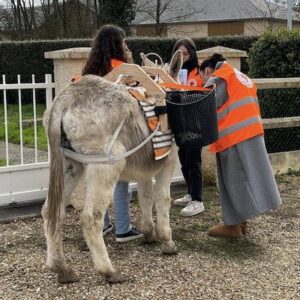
(56, 184)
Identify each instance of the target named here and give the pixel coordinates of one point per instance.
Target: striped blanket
(162, 141)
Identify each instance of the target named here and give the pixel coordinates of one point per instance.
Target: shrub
(276, 54)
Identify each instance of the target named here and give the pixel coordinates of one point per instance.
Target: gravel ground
(263, 265)
(28, 154)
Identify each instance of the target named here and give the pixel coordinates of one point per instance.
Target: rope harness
(108, 158)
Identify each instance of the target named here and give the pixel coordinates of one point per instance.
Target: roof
(187, 11)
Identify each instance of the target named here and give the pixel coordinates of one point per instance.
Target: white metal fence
(25, 178)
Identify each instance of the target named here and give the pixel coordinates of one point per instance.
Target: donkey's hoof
(149, 238)
(115, 277)
(67, 276)
(169, 249)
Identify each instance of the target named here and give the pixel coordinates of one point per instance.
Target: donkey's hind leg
(162, 205)
(145, 196)
(55, 256)
(101, 180)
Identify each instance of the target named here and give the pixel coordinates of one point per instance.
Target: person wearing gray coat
(246, 182)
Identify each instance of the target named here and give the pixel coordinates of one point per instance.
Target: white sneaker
(183, 201)
(192, 208)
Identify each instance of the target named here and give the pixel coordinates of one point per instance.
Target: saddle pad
(163, 140)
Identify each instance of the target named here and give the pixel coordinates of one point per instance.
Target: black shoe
(129, 236)
(108, 229)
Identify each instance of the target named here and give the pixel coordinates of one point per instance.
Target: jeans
(190, 159)
(122, 197)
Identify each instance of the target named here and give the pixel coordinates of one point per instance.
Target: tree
(19, 17)
(65, 19)
(297, 8)
(119, 12)
(159, 11)
(23, 19)
(270, 9)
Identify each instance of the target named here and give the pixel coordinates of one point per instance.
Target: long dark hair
(192, 62)
(211, 61)
(108, 44)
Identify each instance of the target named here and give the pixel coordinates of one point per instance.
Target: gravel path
(264, 265)
(14, 154)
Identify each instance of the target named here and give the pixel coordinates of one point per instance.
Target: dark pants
(190, 159)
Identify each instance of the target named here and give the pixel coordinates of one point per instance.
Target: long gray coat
(246, 181)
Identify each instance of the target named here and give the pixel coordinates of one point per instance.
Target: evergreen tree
(118, 12)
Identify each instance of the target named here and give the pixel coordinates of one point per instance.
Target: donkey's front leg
(101, 181)
(162, 205)
(145, 196)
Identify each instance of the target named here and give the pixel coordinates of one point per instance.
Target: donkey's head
(173, 68)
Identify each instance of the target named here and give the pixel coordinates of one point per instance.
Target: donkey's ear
(146, 61)
(176, 64)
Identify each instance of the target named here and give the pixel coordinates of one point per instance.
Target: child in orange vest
(190, 157)
(246, 183)
(109, 51)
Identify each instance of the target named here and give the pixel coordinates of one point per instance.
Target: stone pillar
(233, 56)
(67, 63)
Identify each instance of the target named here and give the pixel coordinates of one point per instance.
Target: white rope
(114, 138)
(96, 159)
(157, 55)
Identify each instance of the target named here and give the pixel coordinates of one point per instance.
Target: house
(204, 18)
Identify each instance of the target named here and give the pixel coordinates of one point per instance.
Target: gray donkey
(86, 114)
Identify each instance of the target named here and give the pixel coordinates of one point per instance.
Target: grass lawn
(2, 162)
(28, 131)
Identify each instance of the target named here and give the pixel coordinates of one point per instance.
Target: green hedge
(164, 46)
(276, 54)
(27, 57)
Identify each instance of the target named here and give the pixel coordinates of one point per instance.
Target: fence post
(5, 121)
(49, 95)
(233, 56)
(67, 63)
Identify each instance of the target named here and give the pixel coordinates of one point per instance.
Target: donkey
(86, 114)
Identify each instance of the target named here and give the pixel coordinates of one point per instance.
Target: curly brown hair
(108, 44)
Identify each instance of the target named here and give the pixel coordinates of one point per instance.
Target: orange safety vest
(194, 83)
(115, 63)
(238, 118)
(194, 78)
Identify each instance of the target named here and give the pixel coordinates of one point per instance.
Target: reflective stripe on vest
(239, 117)
(222, 114)
(237, 136)
(239, 125)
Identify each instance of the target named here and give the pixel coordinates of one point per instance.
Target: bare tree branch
(155, 10)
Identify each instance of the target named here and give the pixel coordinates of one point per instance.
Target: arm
(221, 89)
